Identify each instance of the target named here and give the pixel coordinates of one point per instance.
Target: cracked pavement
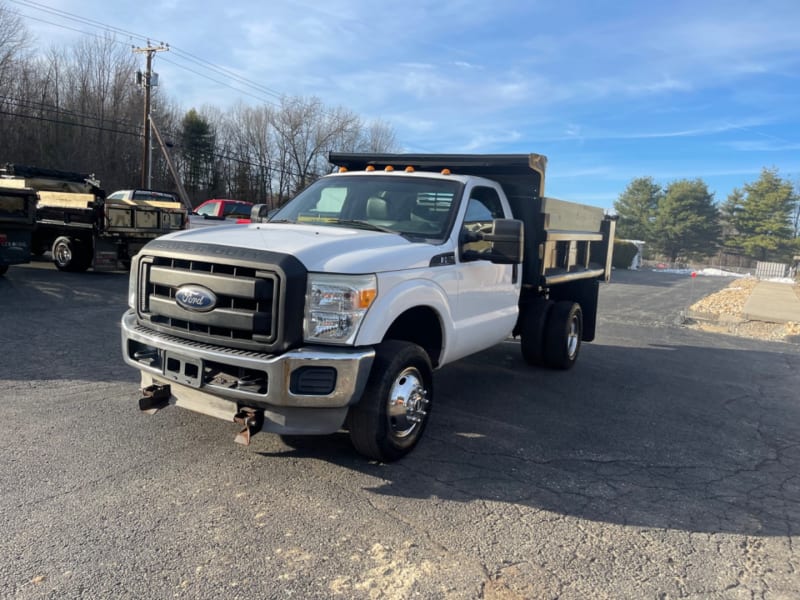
(665, 465)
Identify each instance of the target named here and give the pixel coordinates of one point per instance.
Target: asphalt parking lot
(665, 465)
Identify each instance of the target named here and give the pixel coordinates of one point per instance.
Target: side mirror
(259, 213)
(506, 240)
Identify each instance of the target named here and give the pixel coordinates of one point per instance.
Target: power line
(261, 99)
(182, 54)
(74, 17)
(269, 165)
(177, 52)
(52, 108)
(70, 123)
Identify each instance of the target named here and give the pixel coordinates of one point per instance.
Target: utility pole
(146, 80)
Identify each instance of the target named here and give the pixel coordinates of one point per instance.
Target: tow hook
(252, 420)
(154, 397)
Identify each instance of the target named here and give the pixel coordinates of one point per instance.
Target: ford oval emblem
(196, 298)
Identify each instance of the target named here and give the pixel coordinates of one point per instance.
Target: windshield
(414, 207)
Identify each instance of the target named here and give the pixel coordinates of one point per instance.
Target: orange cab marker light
(445, 171)
(409, 169)
(370, 168)
(389, 168)
(342, 169)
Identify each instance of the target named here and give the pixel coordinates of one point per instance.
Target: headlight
(336, 305)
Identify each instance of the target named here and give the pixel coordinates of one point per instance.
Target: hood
(320, 248)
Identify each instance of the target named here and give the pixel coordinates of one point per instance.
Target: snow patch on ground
(707, 272)
(713, 272)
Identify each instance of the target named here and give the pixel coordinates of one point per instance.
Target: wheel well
(421, 326)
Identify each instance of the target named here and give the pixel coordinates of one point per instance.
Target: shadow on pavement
(690, 438)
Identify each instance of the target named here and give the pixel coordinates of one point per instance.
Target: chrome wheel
(407, 403)
(563, 335)
(396, 404)
(62, 254)
(573, 336)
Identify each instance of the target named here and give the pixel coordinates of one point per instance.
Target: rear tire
(534, 319)
(71, 254)
(391, 416)
(563, 334)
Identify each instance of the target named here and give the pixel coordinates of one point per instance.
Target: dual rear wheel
(389, 420)
(551, 333)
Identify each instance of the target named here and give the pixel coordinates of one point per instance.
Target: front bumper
(306, 378)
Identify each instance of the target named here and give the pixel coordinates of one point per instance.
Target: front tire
(3, 270)
(391, 416)
(563, 334)
(71, 254)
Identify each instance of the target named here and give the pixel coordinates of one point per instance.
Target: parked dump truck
(81, 227)
(336, 310)
(17, 220)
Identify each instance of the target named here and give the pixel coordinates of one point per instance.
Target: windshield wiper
(364, 225)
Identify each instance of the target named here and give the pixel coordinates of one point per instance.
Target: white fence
(768, 270)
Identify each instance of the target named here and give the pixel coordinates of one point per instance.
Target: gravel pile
(729, 301)
(722, 312)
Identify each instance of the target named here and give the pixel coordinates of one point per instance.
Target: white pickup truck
(336, 310)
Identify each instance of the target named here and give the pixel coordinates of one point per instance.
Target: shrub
(624, 253)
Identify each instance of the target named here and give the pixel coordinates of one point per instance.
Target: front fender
(402, 296)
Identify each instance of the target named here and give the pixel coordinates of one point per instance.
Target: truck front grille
(244, 315)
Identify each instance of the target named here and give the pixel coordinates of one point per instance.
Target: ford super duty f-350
(336, 310)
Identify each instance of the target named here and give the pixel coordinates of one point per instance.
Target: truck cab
(219, 211)
(336, 310)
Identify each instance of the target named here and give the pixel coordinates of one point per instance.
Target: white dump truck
(335, 311)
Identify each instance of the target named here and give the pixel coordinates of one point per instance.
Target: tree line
(78, 108)
(682, 221)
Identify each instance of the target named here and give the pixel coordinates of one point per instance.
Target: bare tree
(13, 42)
(79, 108)
(307, 132)
(378, 136)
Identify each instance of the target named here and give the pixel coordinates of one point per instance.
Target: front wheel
(389, 419)
(3, 270)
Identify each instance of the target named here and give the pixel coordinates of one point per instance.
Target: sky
(607, 90)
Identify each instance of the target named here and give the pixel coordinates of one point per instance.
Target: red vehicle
(221, 210)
